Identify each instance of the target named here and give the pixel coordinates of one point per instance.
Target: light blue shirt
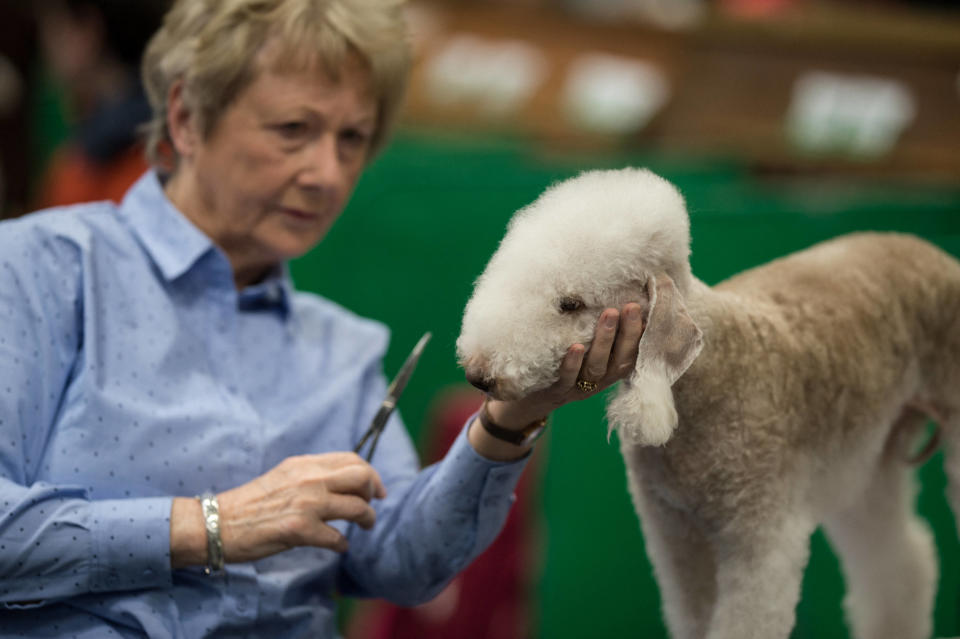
(133, 371)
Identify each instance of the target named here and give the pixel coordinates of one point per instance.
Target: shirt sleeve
(54, 542)
(432, 523)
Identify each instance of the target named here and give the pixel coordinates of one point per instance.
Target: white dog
(759, 409)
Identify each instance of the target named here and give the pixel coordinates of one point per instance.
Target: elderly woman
(155, 350)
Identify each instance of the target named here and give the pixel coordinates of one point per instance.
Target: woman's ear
(182, 122)
(643, 410)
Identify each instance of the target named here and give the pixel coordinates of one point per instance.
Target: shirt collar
(175, 245)
(272, 293)
(171, 240)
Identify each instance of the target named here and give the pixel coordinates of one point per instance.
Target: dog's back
(808, 363)
(869, 312)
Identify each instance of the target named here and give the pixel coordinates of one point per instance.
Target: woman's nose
(323, 167)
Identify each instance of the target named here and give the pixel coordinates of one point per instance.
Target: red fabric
(491, 599)
(73, 178)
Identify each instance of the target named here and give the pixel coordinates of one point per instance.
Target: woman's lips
(300, 214)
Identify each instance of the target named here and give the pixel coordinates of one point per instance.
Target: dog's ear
(643, 410)
(670, 335)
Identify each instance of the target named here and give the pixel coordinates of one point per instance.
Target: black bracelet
(522, 437)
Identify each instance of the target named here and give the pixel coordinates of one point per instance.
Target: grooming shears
(393, 395)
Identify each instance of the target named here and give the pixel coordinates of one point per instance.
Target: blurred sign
(612, 94)
(850, 114)
(496, 76)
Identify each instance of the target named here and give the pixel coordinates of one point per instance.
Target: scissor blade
(406, 371)
(393, 395)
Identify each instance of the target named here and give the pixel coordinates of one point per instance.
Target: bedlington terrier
(760, 408)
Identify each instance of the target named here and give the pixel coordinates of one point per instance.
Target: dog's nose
(479, 381)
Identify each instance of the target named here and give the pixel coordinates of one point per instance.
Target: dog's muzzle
(480, 381)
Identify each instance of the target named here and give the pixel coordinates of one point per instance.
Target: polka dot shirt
(132, 371)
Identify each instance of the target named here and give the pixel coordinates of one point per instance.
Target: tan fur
(810, 354)
(785, 416)
(777, 401)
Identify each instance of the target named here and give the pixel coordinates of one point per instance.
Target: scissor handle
(376, 428)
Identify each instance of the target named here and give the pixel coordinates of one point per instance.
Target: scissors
(393, 395)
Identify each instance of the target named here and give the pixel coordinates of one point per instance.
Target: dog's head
(602, 239)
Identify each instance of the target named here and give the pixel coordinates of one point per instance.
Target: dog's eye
(570, 304)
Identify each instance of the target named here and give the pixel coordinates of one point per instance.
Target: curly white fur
(647, 418)
(509, 332)
(759, 408)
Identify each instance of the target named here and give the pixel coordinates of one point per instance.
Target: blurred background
(783, 122)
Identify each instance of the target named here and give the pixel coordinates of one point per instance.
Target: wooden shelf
(732, 81)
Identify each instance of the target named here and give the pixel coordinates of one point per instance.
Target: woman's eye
(291, 129)
(570, 304)
(355, 137)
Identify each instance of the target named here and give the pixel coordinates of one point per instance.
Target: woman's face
(278, 167)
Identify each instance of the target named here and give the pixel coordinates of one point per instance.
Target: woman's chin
(287, 244)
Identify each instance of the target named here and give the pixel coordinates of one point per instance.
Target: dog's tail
(920, 457)
(915, 438)
(947, 433)
(951, 461)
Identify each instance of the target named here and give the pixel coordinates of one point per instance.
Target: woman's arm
(54, 541)
(430, 529)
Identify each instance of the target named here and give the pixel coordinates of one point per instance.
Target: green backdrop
(426, 217)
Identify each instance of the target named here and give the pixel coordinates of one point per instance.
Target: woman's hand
(611, 358)
(287, 507)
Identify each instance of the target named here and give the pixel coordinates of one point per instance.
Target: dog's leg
(759, 572)
(683, 565)
(888, 558)
(951, 460)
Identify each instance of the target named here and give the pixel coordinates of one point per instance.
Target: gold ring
(587, 386)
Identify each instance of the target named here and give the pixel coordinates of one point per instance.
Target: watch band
(522, 437)
(211, 519)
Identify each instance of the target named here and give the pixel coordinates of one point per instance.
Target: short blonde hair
(212, 46)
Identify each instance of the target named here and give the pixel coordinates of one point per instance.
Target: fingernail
(633, 313)
(610, 321)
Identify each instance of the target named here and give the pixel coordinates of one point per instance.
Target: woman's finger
(598, 357)
(570, 367)
(360, 480)
(349, 508)
(326, 536)
(624, 353)
(332, 461)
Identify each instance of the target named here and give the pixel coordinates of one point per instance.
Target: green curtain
(425, 219)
